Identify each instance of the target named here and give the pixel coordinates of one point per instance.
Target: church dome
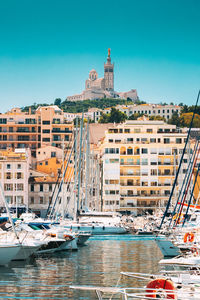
(93, 74)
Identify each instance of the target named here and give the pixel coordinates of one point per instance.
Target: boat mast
(8, 211)
(79, 163)
(87, 175)
(63, 178)
(75, 169)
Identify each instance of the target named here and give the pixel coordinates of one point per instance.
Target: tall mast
(63, 179)
(79, 163)
(75, 169)
(87, 166)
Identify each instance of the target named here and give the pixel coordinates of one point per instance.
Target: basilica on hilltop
(98, 88)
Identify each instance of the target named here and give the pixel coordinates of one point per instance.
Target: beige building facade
(140, 160)
(14, 175)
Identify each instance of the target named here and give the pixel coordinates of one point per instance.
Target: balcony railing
(164, 174)
(142, 196)
(130, 163)
(126, 174)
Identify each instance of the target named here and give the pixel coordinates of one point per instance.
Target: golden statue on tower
(108, 51)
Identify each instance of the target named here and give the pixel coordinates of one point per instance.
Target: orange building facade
(47, 126)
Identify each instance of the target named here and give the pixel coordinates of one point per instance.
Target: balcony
(125, 163)
(166, 174)
(127, 174)
(134, 184)
(144, 196)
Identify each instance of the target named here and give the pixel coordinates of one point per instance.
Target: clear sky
(48, 47)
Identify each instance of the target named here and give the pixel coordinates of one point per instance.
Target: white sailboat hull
(97, 229)
(25, 252)
(7, 253)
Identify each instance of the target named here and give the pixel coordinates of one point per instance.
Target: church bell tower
(109, 73)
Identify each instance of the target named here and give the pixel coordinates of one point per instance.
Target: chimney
(29, 110)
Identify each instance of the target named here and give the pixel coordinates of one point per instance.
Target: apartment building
(140, 159)
(165, 111)
(14, 174)
(47, 126)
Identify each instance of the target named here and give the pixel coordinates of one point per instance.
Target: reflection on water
(99, 263)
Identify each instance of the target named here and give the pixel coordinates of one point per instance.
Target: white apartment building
(140, 159)
(14, 175)
(165, 111)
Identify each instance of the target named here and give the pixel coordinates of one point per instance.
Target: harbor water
(98, 263)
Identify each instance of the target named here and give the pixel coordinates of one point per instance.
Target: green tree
(57, 101)
(175, 119)
(185, 120)
(157, 118)
(115, 116)
(135, 116)
(104, 118)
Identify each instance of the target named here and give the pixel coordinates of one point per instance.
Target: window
(46, 122)
(32, 200)
(112, 192)
(19, 175)
(127, 130)
(114, 160)
(46, 130)
(144, 151)
(144, 172)
(20, 187)
(50, 187)
(8, 175)
(149, 130)
(46, 163)
(137, 130)
(167, 172)
(8, 166)
(144, 140)
(152, 140)
(41, 187)
(154, 161)
(53, 154)
(144, 161)
(166, 141)
(32, 187)
(8, 187)
(167, 192)
(46, 139)
(19, 166)
(112, 150)
(129, 151)
(129, 140)
(67, 138)
(41, 200)
(153, 172)
(178, 141)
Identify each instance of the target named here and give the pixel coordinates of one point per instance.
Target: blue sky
(48, 47)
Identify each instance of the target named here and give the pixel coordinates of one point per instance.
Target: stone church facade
(98, 88)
